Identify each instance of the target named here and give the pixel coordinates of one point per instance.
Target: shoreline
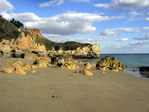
(61, 90)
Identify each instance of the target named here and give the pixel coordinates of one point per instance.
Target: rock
(41, 63)
(33, 71)
(16, 67)
(90, 51)
(67, 64)
(103, 72)
(18, 53)
(87, 66)
(109, 63)
(86, 72)
(144, 71)
(30, 56)
(70, 66)
(1, 54)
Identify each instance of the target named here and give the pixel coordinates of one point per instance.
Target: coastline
(61, 90)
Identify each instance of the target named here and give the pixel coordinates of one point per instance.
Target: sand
(61, 90)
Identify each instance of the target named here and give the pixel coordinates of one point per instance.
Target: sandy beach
(62, 90)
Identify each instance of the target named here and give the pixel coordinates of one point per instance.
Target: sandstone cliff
(23, 42)
(36, 33)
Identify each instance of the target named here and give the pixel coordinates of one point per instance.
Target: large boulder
(144, 71)
(41, 63)
(16, 67)
(109, 63)
(67, 64)
(86, 72)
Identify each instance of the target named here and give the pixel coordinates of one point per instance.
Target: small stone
(103, 72)
(53, 96)
(86, 72)
(33, 71)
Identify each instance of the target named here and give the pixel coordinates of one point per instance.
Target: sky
(118, 26)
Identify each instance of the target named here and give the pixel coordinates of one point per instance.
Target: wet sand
(62, 90)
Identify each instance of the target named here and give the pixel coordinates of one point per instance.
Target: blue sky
(118, 26)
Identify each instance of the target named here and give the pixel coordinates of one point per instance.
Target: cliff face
(23, 42)
(36, 33)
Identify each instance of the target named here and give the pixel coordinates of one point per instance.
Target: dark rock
(144, 71)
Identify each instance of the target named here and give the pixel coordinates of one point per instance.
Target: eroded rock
(41, 63)
(87, 65)
(110, 63)
(16, 67)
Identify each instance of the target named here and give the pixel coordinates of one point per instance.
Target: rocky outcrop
(67, 64)
(41, 63)
(90, 51)
(109, 63)
(16, 67)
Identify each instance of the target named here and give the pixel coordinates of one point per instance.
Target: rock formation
(41, 63)
(16, 67)
(68, 62)
(109, 63)
(87, 65)
(90, 51)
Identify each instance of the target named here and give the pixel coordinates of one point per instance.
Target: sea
(133, 61)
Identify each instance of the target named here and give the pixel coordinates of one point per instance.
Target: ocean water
(133, 61)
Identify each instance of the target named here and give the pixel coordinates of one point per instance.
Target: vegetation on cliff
(17, 23)
(8, 30)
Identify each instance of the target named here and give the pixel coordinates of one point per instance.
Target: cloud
(127, 5)
(5, 6)
(101, 5)
(144, 36)
(94, 39)
(110, 32)
(58, 2)
(115, 31)
(23, 17)
(52, 3)
(140, 42)
(80, 0)
(68, 23)
(121, 39)
(130, 4)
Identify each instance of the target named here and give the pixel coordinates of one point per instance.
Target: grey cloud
(126, 5)
(144, 36)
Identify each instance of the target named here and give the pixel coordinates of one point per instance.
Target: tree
(17, 23)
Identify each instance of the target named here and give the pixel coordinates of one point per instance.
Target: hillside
(7, 30)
